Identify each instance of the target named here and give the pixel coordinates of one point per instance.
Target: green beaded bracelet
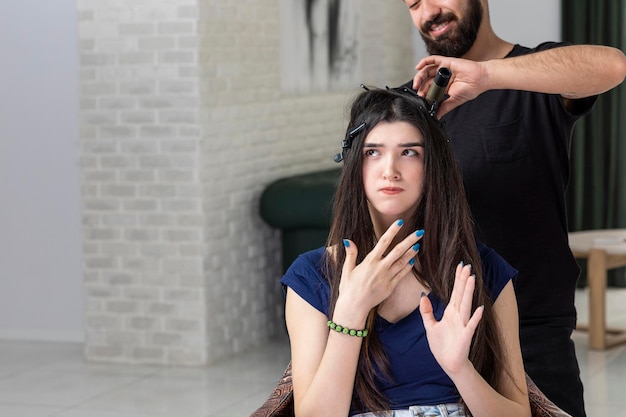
(345, 330)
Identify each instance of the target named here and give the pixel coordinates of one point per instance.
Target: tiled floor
(52, 380)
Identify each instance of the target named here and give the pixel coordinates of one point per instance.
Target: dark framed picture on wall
(319, 45)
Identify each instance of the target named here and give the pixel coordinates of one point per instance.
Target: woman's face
(393, 171)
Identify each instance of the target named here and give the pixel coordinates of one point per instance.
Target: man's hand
(467, 81)
(573, 72)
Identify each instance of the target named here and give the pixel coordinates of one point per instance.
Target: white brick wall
(183, 124)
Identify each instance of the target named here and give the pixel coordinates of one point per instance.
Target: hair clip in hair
(434, 96)
(347, 142)
(428, 105)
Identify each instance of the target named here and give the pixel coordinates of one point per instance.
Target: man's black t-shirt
(513, 148)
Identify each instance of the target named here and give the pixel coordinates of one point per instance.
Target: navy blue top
(417, 378)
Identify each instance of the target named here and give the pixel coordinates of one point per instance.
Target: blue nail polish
(416, 247)
(412, 261)
(400, 222)
(462, 264)
(419, 233)
(346, 243)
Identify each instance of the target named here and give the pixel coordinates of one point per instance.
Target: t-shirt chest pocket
(505, 142)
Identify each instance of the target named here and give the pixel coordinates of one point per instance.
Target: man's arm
(575, 71)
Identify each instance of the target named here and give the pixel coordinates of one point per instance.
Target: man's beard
(454, 43)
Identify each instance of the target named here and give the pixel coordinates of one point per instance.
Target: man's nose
(430, 9)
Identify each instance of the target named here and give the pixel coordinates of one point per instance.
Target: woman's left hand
(450, 338)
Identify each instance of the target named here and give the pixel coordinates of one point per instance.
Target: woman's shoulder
(306, 277)
(496, 270)
(310, 259)
(489, 256)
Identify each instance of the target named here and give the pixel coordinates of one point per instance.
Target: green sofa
(300, 206)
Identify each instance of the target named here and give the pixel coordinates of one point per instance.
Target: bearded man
(509, 116)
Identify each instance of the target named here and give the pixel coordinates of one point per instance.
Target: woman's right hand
(368, 284)
(450, 337)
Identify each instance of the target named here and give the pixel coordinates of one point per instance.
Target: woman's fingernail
(400, 222)
(419, 233)
(423, 294)
(462, 264)
(416, 247)
(346, 243)
(412, 261)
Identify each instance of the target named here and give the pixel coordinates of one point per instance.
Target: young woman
(403, 310)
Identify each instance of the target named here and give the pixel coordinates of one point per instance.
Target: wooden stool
(604, 250)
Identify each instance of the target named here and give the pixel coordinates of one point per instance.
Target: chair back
(280, 402)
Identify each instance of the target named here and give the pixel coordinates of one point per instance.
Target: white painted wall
(528, 22)
(40, 244)
(41, 295)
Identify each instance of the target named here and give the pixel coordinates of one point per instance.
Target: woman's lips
(391, 190)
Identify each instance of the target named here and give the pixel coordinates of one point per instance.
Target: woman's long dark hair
(442, 212)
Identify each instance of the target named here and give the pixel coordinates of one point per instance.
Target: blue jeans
(442, 410)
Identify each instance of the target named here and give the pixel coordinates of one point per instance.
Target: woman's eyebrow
(400, 145)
